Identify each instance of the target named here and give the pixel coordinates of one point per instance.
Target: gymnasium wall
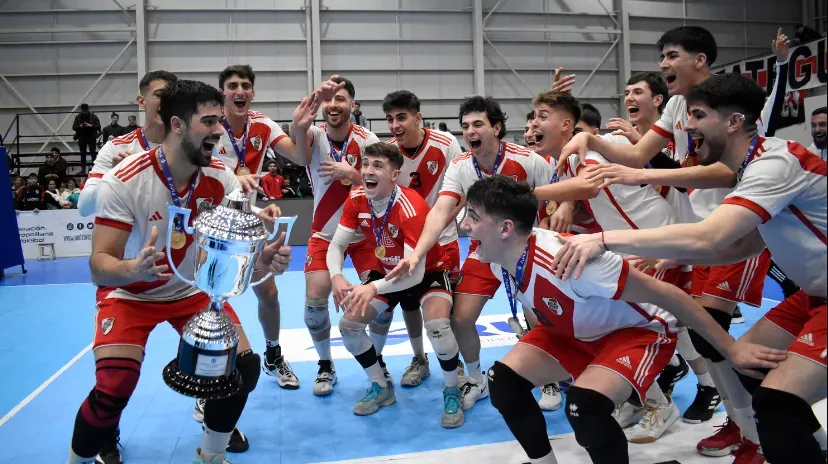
(54, 51)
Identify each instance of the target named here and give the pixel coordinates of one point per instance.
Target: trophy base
(200, 387)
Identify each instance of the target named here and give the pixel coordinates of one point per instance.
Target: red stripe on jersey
(407, 207)
(393, 141)
(359, 130)
(216, 164)
(745, 203)
(649, 316)
(357, 192)
(329, 204)
(451, 194)
(622, 279)
(255, 114)
(278, 139)
(131, 166)
(126, 139)
(809, 161)
(662, 132)
(808, 223)
(427, 180)
(620, 210)
(113, 223)
(440, 138)
(544, 254)
(139, 166)
(95, 175)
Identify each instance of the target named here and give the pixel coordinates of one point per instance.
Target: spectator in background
(30, 197)
(54, 169)
(86, 127)
(356, 115)
(273, 183)
(114, 129)
(819, 126)
(286, 129)
(443, 127)
(69, 196)
(52, 196)
(133, 124)
(10, 161)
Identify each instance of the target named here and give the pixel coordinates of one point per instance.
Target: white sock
(821, 438)
(747, 424)
(417, 345)
(731, 412)
(270, 343)
(473, 371)
(75, 459)
(378, 341)
(705, 380)
(323, 349)
(548, 459)
(656, 396)
(674, 361)
(375, 374)
(213, 443)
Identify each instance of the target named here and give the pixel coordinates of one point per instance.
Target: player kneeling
(607, 328)
(392, 217)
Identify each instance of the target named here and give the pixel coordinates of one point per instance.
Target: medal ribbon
(748, 157)
(496, 163)
(240, 153)
(521, 266)
(552, 181)
(171, 185)
(378, 230)
(337, 155)
(144, 142)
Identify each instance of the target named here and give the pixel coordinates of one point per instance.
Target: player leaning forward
(392, 218)
(606, 329)
(779, 202)
(136, 292)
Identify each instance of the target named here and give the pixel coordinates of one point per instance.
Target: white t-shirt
(821, 152)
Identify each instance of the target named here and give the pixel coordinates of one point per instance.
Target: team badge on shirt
(432, 166)
(351, 160)
(553, 305)
(393, 230)
(256, 142)
(202, 204)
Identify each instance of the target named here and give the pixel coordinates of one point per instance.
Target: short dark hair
(506, 198)
(349, 86)
(693, 39)
(115, 114)
(590, 115)
(32, 175)
(269, 162)
(656, 83)
(54, 149)
(387, 151)
(182, 98)
(401, 100)
(820, 110)
(152, 76)
(560, 101)
(530, 115)
(488, 105)
(731, 92)
(244, 71)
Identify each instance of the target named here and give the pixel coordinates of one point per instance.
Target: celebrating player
(136, 292)
(396, 218)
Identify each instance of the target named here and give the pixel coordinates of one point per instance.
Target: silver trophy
(228, 240)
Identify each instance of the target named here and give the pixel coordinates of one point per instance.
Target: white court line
(43, 386)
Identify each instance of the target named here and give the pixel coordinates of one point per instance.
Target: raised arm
(435, 222)
(716, 175)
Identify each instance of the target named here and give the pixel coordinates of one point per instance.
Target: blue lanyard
(496, 163)
(748, 157)
(378, 230)
(144, 142)
(337, 155)
(552, 181)
(240, 153)
(521, 264)
(171, 185)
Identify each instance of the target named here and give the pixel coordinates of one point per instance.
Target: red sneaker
(727, 439)
(748, 453)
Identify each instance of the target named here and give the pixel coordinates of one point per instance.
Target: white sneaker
(472, 392)
(550, 399)
(415, 372)
(654, 423)
(325, 379)
(626, 414)
(220, 459)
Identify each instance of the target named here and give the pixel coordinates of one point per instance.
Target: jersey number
(415, 180)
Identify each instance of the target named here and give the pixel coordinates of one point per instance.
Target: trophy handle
(289, 221)
(173, 210)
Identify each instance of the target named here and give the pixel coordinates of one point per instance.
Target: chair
(46, 251)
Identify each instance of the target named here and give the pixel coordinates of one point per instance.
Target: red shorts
(803, 317)
(453, 251)
(476, 278)
(361, 253)
(129, 322)
(636, 354)
(738, 283)
(671, 276)
(685, 279)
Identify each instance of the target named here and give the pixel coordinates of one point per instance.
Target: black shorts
(411, 299)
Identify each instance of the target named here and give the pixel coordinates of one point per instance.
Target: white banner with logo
(66, 229)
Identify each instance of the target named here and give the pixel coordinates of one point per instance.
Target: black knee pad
(750, 383)
(222, 415)
(590, 415)
(705, 349)
(507, 389)
(248, 364)
(786, 424)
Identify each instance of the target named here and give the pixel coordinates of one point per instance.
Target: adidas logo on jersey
(222, 151)
(807, 339)
(364, 223)
(434, 284)
(688, 285)
(724, 286)
(156, 217)
(625, 361)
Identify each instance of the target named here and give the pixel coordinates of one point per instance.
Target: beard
(715, 150)
(193, 153)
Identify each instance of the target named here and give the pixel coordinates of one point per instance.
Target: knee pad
(354, 338)
(317, 317)
(248, 365)
(590, 415)
(751, 384)
(786, 424)
(115, 380)
(384, 318)
(685, 345)
(508, 390)
(445, 345)
(704, 348)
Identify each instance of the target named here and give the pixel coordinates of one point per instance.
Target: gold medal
(551, 207)
(379, 252)
(657, 189)
(346, 182)
(178, 240)
(243, 171)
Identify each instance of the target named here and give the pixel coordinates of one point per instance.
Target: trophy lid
(234, 221)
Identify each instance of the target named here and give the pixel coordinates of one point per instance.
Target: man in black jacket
(54, 169)
(30, 197)
(113, 130)
(86, 127)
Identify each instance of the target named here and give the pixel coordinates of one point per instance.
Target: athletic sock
(378, 341)
(272, 343)
(705, 380)
(323, 349)
(475, 372)
(674, 361)
(417, 345)
(213, 443)
(548, 459)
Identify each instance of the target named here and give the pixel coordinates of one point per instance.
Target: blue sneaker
(453, 416)
(375, 398)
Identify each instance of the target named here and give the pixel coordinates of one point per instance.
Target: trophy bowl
(228, 240)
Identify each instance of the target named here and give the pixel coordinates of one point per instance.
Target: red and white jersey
(262, 132)
(586, 308)
(119, 205)
(132, 143)
(402, 229)
(424, 172)
(623, 207)
(785, 185)
(586, 227)
(328, 200)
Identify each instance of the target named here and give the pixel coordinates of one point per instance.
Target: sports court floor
(47, 368)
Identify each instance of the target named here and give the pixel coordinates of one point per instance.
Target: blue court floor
(46, 326)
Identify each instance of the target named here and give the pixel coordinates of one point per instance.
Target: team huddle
(676, 216)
